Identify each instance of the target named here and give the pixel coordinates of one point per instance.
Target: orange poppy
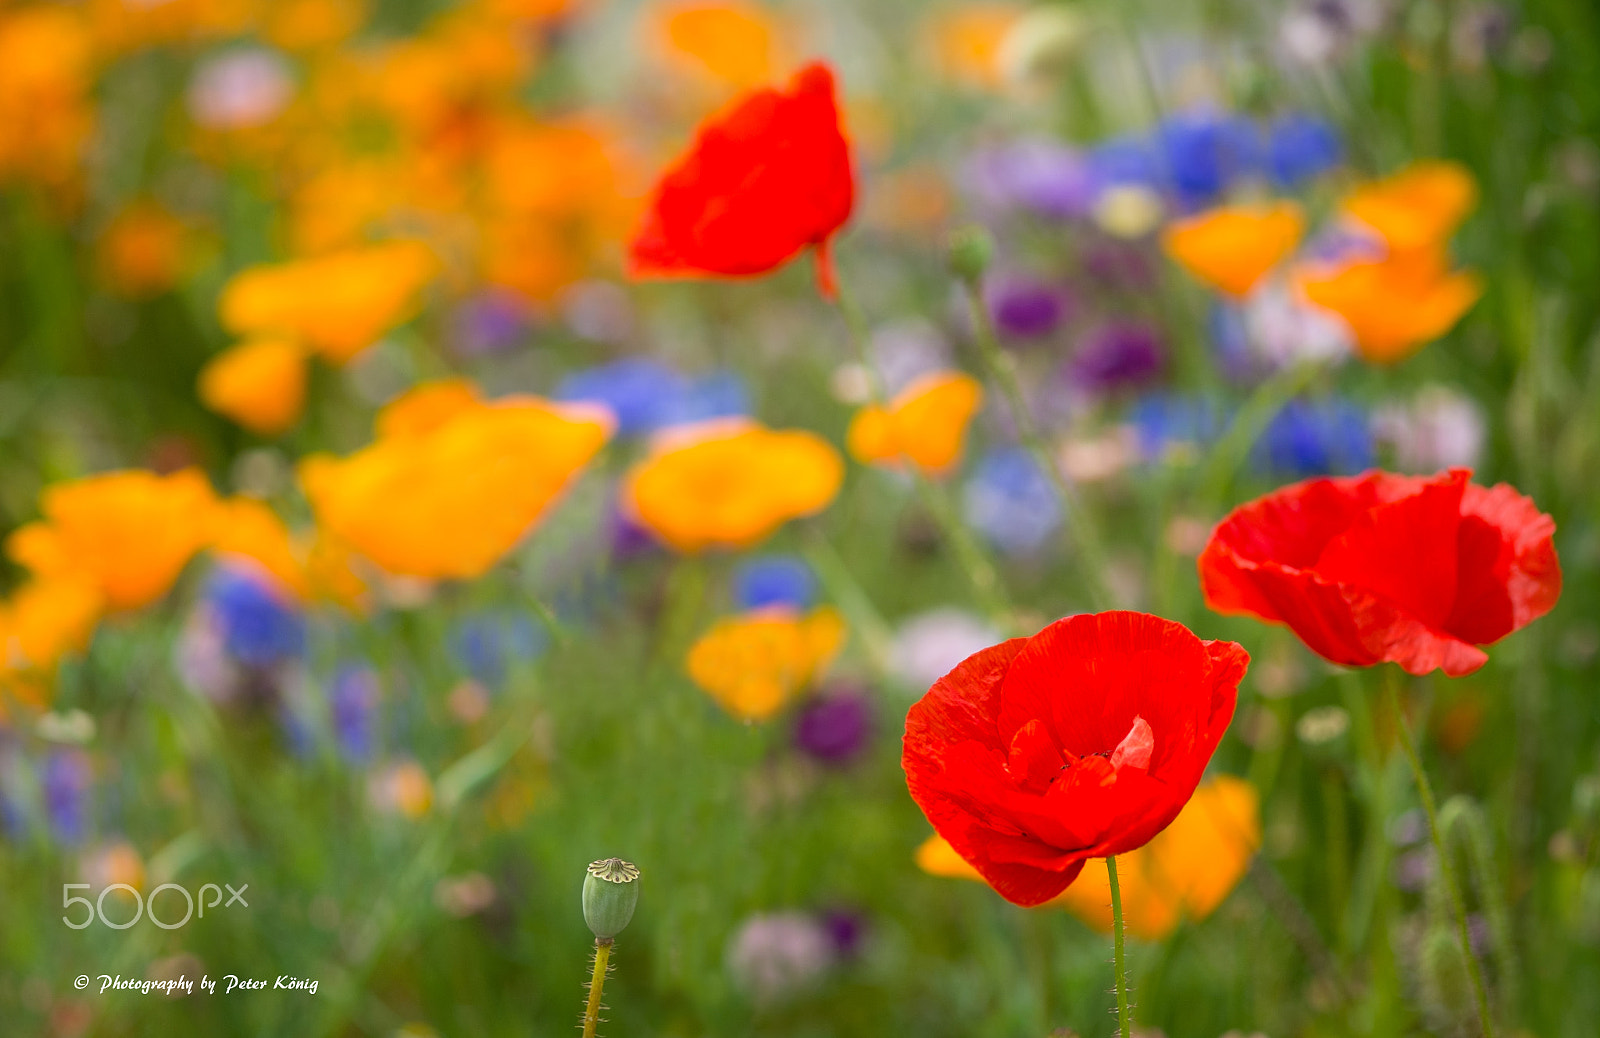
(1419, 206)
(731, 41)
(754, 663)
(261, 384)
(450, 501)
(1231, 248)
(731, 483)
(925, 424)
(338, 304)
(1397, 305)
(129, 533)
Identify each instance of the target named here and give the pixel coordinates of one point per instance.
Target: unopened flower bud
(970, 252)
(610, 892)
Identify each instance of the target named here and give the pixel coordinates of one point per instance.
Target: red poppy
(1417, 570)
(1081, 742)
(760, 183)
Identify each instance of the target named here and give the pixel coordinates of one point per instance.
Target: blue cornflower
(64, 783)
(768, 580)
(1011, 501)
(1230, 338)
(646, 395)
(1124, 161)
(719, 394)
(633, 388)
(1300, 147)
(259, 623)
(353, 705)
(1316, 437)
(1166, 419)
(1205, 151)
(486, 645)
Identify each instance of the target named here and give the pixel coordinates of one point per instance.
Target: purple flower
(1413, 869)
(491, 322)
(834, 727)
(353, 702)
(1118, 355)
(1119, 264)
(847, 928)
(1043, 176)
(628, 538)
(1024, 307)
(64, 782)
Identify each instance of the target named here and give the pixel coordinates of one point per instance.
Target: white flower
(1438, 429)
(930, 644)
(240, 89)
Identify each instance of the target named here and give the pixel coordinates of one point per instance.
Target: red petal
(1088, 676)
(1509, 572)
(1033, 759)
(759, 184)
(1404, 551)
(1292, 526)
(1355, 628)
(984, 777)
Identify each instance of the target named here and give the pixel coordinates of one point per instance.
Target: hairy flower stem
(591, 1012)
(1124, 1025)
(1447, 871)
(973, 561)
(1001, 370)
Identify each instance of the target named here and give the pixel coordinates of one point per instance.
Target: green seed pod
(970, 252)
(610, 892)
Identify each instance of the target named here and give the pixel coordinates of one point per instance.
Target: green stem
(865, 620)
(591, 1011)
(1229, 454)
(1123, 1023)
(1003, 373)
(1447, 872)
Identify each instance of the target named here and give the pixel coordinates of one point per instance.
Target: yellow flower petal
(753, 664)
(1397, 305)
(1231, 248)
(1418, 207)
(925, 424)
(732, 486)
(128, 533)
(339, 304)
(259, 384)
(452, 500)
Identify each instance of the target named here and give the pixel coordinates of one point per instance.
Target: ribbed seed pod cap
(610, 892)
